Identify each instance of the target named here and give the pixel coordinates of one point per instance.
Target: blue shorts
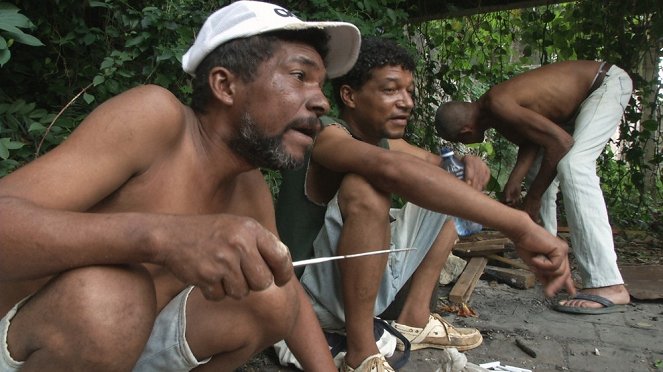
(166, 349)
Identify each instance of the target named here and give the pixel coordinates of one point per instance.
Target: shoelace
(445, 324)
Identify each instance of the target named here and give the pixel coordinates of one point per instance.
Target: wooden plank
(479, 243)
(480, 250)
(518, 264)
(462, 290)
(517, 278)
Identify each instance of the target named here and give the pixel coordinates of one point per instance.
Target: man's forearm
(307, 342)
(38, 242)
(433, 188)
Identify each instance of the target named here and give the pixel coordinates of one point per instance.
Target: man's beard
(261, 150)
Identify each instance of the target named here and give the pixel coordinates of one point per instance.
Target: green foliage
(463, 57)
(11, 23)
(68, 56)
(92, 51)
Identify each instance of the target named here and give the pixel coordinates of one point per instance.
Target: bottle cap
(446, 151)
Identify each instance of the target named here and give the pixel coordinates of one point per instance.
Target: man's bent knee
(98, 316)
(358, 197)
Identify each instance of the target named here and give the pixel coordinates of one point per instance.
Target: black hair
(449, 119)
(375, 52)
(244, 56)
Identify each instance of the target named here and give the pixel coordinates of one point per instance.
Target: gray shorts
(412, 227)
(166, 350)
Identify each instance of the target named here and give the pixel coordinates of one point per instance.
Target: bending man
(564, 114)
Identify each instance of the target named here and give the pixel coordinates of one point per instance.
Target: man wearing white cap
(146, 241)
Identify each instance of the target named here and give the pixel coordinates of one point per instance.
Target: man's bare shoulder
(554, 90)
(149, 101)
(561, 77)
(144, 113)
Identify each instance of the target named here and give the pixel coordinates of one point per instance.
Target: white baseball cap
(247, 18)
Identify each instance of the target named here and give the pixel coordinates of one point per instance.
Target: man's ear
(466, 129)
(222, 84)
(347, 96)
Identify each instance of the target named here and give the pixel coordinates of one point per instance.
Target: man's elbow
(388, 168)
(567, 143)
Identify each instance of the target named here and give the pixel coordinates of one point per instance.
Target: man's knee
(279, 311)
(99, 316)
(357, 197)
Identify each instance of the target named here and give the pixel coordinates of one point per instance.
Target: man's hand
(477, 173)
(548, 256)
(224, 255)
(512, 195)
(532, 206)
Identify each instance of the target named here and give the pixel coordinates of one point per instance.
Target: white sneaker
(374, 363)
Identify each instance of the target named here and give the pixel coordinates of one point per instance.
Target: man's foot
(617, 294)
(439, 334)
(596, 301)
(374, 363)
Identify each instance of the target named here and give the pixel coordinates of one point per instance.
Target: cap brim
(343, 46)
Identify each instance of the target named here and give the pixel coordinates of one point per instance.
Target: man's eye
(299, 75)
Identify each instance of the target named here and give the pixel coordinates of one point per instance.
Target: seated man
(340, 204)
(146, 240)
(537, 110)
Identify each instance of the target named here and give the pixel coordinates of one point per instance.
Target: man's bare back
(554, 91)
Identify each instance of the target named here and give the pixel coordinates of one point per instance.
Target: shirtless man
(146, 240)
(340, 204)
(563, 114)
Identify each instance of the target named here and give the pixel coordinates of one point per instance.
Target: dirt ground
(629, 341)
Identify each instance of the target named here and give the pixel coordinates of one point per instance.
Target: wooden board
(517, 278)
(516, 263)
(479, 243)
(462, 290)
(644, 282)
(479, 250)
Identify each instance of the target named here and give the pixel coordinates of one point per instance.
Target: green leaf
(9, 18)
(4, 151)
(4, 56)
(36, 127)
(24, 38)
(99, 79)
(134, 41)
(88, 98)
(14, 145)
(99, 4)
(8, 6)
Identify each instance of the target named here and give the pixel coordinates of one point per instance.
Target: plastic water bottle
(454, 166)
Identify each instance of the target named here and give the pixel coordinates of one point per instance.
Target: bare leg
(88, 319)
(416, 310)
(365, 213)
(232, 331)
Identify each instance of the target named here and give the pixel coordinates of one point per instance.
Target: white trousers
(586, 213)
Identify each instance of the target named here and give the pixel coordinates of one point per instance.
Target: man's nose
(318, 103)
(406, 100)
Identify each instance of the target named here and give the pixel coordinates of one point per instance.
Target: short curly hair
(375, 52)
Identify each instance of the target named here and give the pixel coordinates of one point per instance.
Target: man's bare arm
(526, 155)
(477, 173)
(45, 228)
(538, 130)
(430, 187)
